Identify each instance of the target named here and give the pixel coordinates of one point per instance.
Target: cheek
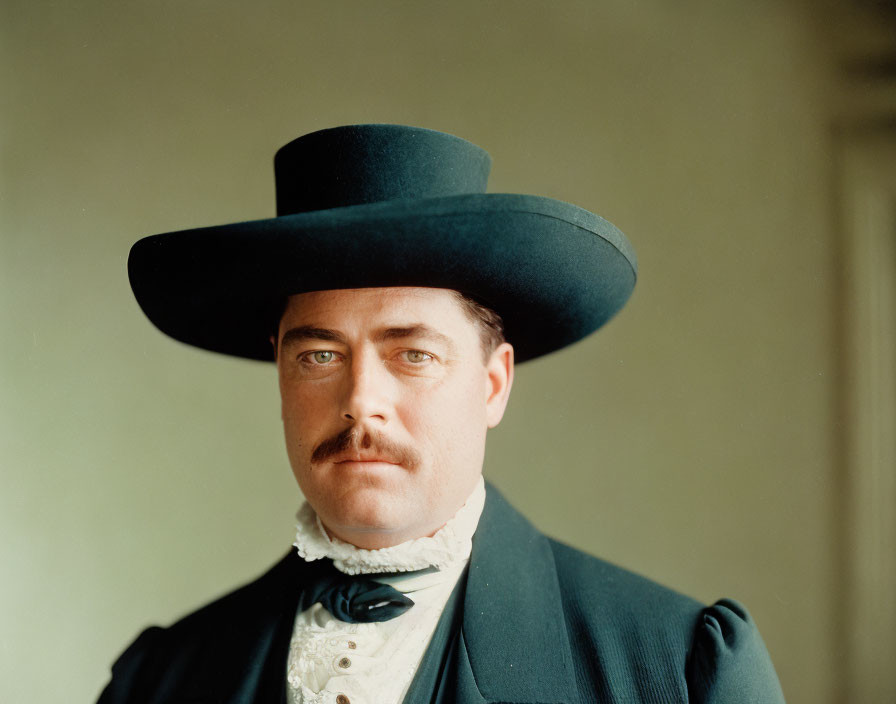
(304, 419)
(449, 422)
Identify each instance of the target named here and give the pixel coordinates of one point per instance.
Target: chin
(370, 512)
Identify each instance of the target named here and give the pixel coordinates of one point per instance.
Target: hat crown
(359, 164)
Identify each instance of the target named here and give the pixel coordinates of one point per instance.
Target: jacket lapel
(514, 627)
(250, 659)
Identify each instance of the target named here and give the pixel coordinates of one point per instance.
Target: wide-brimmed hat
(387, 205)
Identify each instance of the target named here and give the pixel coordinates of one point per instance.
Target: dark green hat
(387, 205)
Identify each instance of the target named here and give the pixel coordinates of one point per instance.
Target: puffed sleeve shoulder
(123, 688)
(729, 663)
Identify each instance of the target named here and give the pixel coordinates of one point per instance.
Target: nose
(366, 393)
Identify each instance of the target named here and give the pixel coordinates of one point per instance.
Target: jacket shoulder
(652, 641)
(629, 635)
(240, 605)
(204, 647)
(596, 585)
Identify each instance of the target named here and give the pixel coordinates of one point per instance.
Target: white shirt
(359, 663)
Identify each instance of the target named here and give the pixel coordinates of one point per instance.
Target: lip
(366, 467)
(362, 460)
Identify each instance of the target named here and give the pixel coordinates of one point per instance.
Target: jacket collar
(514, 627)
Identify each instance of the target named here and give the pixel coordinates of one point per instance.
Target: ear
(500, 378)
(274, 346)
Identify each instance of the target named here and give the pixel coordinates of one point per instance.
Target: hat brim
(553, 271)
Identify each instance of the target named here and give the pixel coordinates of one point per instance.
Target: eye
(320, 357)
(417, 356)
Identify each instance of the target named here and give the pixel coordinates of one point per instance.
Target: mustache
(355, 439)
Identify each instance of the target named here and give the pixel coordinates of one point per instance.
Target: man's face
(385, 402)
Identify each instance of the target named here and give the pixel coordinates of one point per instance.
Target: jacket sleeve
(123, 688)
(729, 663)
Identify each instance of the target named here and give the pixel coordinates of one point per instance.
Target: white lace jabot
(452, 542)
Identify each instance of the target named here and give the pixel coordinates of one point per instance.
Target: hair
(490, 324)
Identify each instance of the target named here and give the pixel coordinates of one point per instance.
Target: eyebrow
(309, 332)
(418, 330)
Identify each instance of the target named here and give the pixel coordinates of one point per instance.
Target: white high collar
(452, 542)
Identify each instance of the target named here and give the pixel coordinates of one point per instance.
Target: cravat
(351, 598)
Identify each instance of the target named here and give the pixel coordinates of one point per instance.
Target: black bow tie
(351, 598)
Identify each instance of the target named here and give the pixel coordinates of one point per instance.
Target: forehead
(436, 307)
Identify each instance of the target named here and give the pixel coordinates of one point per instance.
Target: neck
(376, 551)
(374, 539)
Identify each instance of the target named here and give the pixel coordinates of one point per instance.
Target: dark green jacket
(540, 622)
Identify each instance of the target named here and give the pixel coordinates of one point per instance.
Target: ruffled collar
(451, 543)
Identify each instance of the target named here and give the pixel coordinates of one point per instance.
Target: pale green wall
(691, 440)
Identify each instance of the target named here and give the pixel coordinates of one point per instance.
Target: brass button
(352, 645)
(344, 663)
(342, 699)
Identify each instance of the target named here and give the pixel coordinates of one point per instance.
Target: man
(395, 296)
